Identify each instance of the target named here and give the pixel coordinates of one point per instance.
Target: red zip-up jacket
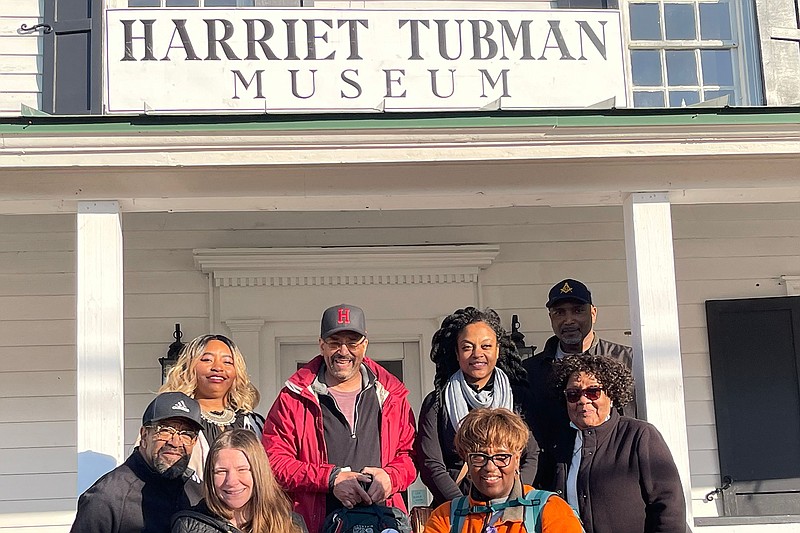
(294, 440)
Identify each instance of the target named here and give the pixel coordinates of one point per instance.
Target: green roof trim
(332, 122)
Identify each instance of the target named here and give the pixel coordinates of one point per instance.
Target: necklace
(220, 418)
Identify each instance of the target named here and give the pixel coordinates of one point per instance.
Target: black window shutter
(72, 68)
(754, 345)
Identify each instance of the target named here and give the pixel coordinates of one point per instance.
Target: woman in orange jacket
(491, 442)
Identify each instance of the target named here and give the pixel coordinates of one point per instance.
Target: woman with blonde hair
(241, 493)
(212, 370)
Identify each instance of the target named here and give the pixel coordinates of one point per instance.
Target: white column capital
(648, 197)
(110, 207)
(792, 284)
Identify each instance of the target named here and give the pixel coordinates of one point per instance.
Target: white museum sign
(357, 60)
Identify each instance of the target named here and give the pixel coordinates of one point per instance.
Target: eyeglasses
(165, 433)
(337, 345)
(591, 393)
(500, 460)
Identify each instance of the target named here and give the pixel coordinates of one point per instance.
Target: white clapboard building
(237, 166)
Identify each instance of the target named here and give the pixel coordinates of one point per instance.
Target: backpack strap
(253, 421)
(459, 509)
(534, 502)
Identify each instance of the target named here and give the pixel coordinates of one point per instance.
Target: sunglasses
(591, 393)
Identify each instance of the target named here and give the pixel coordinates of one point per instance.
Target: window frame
(747, 82)
(162, 4)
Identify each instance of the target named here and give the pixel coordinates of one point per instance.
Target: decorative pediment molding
(792, 284)
(356, 265)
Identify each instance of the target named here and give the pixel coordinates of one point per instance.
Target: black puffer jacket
(201, 520)
(196, 522)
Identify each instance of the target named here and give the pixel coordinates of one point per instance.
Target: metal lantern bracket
(518, 338)
(172, 354)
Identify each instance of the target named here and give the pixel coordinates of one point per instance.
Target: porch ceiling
(49, 169)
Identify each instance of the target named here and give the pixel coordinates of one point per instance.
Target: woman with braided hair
(477, 365)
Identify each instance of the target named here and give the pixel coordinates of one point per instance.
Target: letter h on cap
(344, 315)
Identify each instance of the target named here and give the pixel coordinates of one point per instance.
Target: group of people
(504, 445)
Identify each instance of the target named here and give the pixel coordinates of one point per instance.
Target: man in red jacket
(341, 431)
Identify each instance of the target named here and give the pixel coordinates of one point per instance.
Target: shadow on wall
(92, 465)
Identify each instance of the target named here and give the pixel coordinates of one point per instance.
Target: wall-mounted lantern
(518, 338)
(172, 354)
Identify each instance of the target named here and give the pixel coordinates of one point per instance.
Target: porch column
(99, 341)
(246, 335)
(654, 322)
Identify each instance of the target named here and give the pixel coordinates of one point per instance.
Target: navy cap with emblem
(172, 405)
(569, 289)
(342, 317)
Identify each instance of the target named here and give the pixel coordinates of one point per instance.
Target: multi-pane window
(585, 4)
(191, 3)
(683, 53)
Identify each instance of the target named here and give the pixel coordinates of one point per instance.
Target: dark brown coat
(627, 482)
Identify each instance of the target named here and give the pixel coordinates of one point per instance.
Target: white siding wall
(733, 251)
(20, 56)
(162, 287)
(721, 252)
(37, 375)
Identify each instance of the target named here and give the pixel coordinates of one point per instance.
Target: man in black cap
(340, 432)
(572, 317)
(142, 494)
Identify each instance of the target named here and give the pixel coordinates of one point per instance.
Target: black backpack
(367, 519)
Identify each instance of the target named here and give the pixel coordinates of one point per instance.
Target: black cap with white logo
(172, 405)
